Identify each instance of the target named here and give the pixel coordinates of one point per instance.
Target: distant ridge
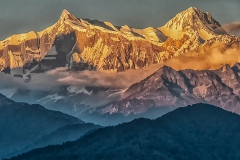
(171, 88)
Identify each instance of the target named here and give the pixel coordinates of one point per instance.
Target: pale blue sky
(17, 16)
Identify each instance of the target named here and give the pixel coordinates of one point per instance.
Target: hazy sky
(18, 16)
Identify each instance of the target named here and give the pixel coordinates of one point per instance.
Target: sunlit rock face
(103, 46)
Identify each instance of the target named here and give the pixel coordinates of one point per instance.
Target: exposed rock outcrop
(170, 88)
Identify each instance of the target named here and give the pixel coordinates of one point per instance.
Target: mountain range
(168, 87)
(93, 45)
(199, 131)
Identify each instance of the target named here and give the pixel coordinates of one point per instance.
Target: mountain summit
(84, 44)
(193, 22)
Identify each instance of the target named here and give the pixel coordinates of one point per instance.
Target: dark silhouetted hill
(197, 132)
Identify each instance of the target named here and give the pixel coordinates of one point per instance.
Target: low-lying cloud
(207, 58)
(232, 28)
(60, 76)
(119, 80)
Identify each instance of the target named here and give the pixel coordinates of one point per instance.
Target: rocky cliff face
(171, 88)
(103, 46)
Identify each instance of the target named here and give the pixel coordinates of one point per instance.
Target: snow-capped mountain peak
(191, 22)
(65, 14)
(98, 45)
